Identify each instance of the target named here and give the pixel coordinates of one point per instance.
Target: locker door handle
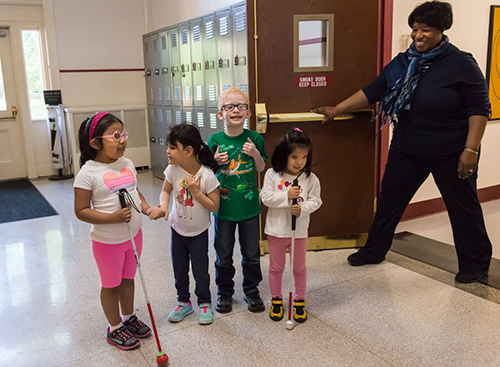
(206, 65)
(194, 66)
(152, 140)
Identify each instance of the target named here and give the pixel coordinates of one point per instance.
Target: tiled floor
(398, 313)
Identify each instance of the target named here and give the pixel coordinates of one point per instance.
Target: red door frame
(384, 56)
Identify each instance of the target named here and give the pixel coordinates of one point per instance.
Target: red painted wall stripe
(311, 41)
(97, 70)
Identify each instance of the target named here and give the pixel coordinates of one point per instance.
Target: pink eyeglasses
(117, 135)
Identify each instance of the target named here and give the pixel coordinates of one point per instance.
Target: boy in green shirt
(239, 153)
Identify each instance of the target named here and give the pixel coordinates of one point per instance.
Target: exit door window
(313, 42)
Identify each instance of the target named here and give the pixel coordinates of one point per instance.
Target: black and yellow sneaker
(276, 313)
(299, 311)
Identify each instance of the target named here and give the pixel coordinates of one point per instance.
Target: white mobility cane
(289, 323)
(162, 358)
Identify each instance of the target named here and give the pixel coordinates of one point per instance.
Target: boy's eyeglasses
(239, 106)
(117, 135)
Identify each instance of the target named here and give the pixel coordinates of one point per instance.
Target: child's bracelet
(471, 151)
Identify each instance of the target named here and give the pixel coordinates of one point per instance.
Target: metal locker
(189, 116)
(196, 38)
(240, 52)
(186, 66)
(177, 115)
(149, 67)
(175, 66)
(162, 139)
(201, 122)
(158, 90)
(153, 140)
(224, 49)
(209, 34)
(165, 75)
(214, 124)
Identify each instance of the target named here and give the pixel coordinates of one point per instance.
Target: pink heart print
(115, 182)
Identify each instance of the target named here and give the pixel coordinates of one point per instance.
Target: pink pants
(277, 259)
(116, 261)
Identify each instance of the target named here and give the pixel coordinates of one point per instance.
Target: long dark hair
(189, 136)
(87, 152)
(294, 138)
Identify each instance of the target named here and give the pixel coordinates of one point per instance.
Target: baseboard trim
(433, 206)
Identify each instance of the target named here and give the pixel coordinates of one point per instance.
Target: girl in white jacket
(291, 159)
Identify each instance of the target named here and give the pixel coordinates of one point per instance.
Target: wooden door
(343, 150)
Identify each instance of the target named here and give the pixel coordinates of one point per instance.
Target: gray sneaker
(123, 339)
(182, 310)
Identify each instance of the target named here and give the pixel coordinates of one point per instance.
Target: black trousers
(404, 174)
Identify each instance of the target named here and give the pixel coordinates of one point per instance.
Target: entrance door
(343, 150)
(11, 144)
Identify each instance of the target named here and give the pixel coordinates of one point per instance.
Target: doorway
(12, 162)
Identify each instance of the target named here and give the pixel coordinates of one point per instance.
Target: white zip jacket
(274, 195)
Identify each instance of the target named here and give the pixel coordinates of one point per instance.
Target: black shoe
(471, 276)
(224, 303)
(255, 303)
(357, 260)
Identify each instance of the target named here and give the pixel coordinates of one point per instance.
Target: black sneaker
(123, 339)
(224, 303)
(255, 303)
(299, 311)
(137, 327)
(276, 312)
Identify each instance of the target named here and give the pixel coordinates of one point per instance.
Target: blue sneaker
(206, 317)
(182, 310)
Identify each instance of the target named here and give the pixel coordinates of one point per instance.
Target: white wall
(469, 33)
(168, 12)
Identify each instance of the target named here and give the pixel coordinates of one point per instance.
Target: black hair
(86, 151)
(189, 136)
(436, 14)
(294, 138)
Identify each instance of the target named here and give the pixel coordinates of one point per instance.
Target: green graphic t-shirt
(239, 197)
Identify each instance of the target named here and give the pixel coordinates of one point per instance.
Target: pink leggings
(116, 261)
(277, 259)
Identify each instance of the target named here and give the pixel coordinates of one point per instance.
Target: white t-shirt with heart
(104, 180)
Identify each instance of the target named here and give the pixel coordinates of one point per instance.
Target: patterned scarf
(399, 96)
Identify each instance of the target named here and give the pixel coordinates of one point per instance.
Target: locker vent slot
(240, 19)
(174, 39)
(212, 93)
(151, 95)
(209, 31)
(201, 119)
(155, 45)
(160, 116)
(178, 117)
(184, 36)
(187, 93)
(146, 47)
(168, 117)
(225, 87)
(163, 42)
(152, 114)
(213, 121)
(243, 87)
(224, 26)
(177, 93)
(168, 97)
(189, 117)
(158, 94)
(199, 92)
(245, 124)
(196, 33)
